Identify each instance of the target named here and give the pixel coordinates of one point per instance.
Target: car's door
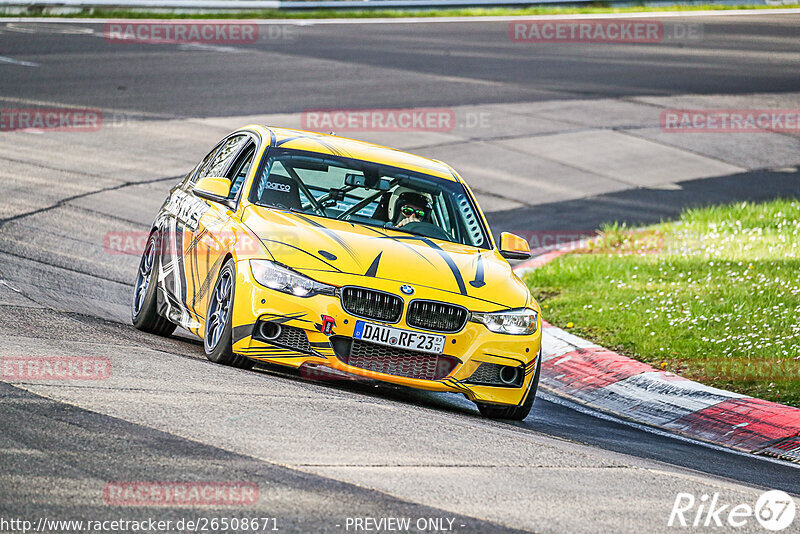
(213, 236)
(180, 216)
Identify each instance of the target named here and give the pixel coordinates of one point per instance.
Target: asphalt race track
(571, 134)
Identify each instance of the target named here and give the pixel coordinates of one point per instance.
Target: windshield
(368, 193)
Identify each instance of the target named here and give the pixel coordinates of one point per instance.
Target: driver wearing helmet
(412, 207)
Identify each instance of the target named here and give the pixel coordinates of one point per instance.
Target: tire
(144, 306)
(514, 413)
(217, 337)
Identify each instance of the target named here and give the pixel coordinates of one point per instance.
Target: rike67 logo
(774, 511)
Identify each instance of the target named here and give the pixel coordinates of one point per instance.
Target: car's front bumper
(471, 346)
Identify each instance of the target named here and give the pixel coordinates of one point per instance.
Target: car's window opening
(203, 165)
(240, 168)
(224, 156)
(368, 193)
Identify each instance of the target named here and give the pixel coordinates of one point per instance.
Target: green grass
(714, 296)
(380, 13)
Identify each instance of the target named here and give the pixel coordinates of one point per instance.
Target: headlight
(515, 322)
(279, 278)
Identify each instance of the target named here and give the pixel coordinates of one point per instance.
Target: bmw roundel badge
(407, 290)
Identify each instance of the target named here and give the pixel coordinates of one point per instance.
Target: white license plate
(397, 337)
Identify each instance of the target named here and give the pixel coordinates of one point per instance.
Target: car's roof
(361, 150)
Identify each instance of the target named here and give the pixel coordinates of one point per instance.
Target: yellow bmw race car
(330, 254)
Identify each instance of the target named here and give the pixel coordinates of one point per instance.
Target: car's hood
(309, 243)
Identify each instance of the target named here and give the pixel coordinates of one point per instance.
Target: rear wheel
(144, 308)
(514, 413)
(218, 338)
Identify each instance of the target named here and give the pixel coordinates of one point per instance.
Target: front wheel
(144, 308)
(218, 338)
(514, 413)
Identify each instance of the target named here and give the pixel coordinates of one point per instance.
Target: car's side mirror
(513, 247)
(215, 189)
